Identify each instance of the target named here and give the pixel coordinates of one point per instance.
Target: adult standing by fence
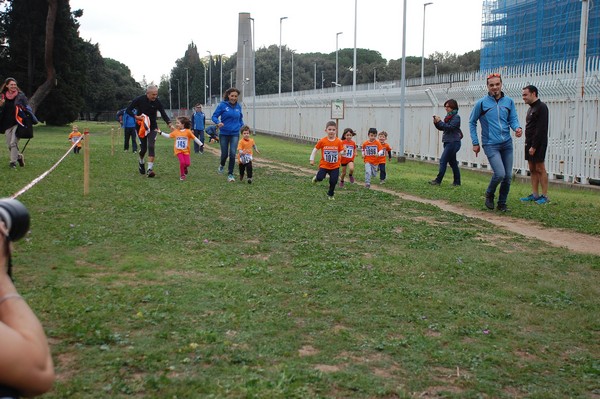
(10, 98)
(228, 117)
(451, 138)
(536, 143)
(129, 132)
(198, 122)
(148, 105)
(497, 115)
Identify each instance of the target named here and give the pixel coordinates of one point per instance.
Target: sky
(126, 29)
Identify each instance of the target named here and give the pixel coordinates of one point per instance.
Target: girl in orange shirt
(75, 137)
(182, 134)
(348, 156)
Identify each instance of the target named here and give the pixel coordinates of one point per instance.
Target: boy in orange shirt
(348, 156)
(245, 147)
(75, 137)
(371, 150)
(387, 152)
(182, 134)
(332, 149)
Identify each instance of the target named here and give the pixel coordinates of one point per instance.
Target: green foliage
(203, 288)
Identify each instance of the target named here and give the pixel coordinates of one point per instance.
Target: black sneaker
(249, 181)
(489, 201)
(151, 173)
(142, 169)
(21, 160)
(12, 165)
(502, 208)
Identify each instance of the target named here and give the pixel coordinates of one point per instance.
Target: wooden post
(86, 161)
(112, 141)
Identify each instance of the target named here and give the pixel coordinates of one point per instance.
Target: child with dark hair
(182, 134)
(387, 152)
(348, 156)
(332, 150)
(245, 147)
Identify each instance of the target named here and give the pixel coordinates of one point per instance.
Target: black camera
(15, 217)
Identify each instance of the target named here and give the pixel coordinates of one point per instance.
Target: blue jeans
(200, 135)
(229, 146)
(500, 157)
(449, 157)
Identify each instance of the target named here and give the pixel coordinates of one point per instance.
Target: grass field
(208, 289)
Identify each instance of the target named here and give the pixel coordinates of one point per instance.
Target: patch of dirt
(307, 350)
(327, 368)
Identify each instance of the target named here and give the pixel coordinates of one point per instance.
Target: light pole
(292, 72)
(280, 23)
(187, 86)
(322, 79)
(253, 80)
(209, 76)
(204, 84)
(374, 77)
(221, 76)
(423, 49)
(244, 71)
(170, 99)
(178, 96)
(315, 88)
(336, 59)
(354, 67)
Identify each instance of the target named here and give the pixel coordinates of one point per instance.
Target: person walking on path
(11, 97)
(497, 115)
(451, 138)
(148, 106)
(229, 119)
(536, 143)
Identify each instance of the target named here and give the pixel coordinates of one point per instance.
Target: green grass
(158, 288)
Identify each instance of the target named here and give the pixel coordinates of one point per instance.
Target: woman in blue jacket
(451, 139)
(228, 117)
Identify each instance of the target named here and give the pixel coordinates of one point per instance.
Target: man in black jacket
(147, 106)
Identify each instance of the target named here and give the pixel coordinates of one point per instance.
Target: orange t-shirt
(182, 140)
(383, 158)
(74, 136)
(349, 150)
(246, 146)
(370, 150)
(330, 152)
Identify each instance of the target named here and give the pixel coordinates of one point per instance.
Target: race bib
(371, 150)
(181, 143)
(330, 156)
(245, 158)
(349, 151)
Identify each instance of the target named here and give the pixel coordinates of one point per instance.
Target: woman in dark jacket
(10, 98)
(451, 139)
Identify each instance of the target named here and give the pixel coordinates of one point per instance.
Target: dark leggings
(246, 168)
(147, 144)
(334, 174)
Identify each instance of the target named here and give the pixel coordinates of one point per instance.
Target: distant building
(517, 32)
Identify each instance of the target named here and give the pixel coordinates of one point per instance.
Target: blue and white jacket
(231, 118)
(198, 119)
(496, 118)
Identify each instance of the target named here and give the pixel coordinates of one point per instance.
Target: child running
(245, 147)
(331, 150)
(371, 150)
(75, 137)
(182, 134)
(387, 152)
(348, 156)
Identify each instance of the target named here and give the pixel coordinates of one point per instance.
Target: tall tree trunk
(45, 89)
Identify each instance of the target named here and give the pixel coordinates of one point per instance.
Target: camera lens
(16, 218)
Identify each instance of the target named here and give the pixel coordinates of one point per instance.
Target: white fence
(573, 151)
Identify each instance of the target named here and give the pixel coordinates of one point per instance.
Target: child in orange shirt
(245, 146)
(371, 150)
(75, 137)
(182, 134)
(387, 152)
(331, 151)
(348, 156)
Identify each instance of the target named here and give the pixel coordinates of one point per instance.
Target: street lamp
(221, 76)
(253, 80)
(292, 72)
(354, 66)
(187, 86)
(423, 50)
(204, 66)
(336, 58)
(244, 71)
(178, 96)
(209, 76)
(315, 88)
(374, 77)
(280, 23)
(170, 99)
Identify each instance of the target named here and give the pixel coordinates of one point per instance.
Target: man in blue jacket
(198, 120)
(497, 115)
(129, 131)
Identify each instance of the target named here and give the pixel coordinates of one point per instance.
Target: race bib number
(371, 150)
(330, 156)
(349, 151)
(181, 143)
(245, 158)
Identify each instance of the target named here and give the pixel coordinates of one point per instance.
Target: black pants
(334, 175)
(246, 168)
(127, 133)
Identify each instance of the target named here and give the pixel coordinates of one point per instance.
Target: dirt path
(573, 241)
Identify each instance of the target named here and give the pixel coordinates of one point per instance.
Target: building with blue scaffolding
(519, 32)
